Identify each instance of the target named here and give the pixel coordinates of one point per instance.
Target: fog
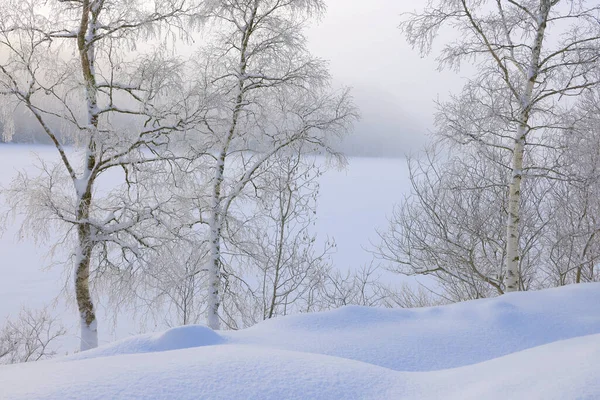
(393, 87)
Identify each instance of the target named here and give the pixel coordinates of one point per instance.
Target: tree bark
(84, 185)
(88, 323)
(214, 267)
(514, 203)
(217, 217)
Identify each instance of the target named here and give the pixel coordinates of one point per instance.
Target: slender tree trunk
(513, 275)
(88, 323)
(279, 244)
(84, 185)
(514, 212)
(214, 263)
(217, 217)
(284, 210)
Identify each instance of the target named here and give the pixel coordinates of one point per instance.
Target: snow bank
(506, 348)
(182, 337)
(439, 337)
(221, 372)
(562, 370)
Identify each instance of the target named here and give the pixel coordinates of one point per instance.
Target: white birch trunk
(218, 214)
(514, 197)
(84, 186)
(514, 206)
(89, 327)
(214, 263)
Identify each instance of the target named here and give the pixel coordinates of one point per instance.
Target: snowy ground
(352, 204)
(536, 345)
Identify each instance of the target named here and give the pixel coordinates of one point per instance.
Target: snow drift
(182, 337)
(438, 337)
(519, 346)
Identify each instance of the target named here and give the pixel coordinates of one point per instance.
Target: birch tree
(450, 227)
(529, 55)
(262, 92)
(74, 67)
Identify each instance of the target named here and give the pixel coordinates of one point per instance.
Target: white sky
(393, 86)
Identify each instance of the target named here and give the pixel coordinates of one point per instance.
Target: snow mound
(438, 337)
(182, 337)
(561, 370)
(221, 372)
(540, 345)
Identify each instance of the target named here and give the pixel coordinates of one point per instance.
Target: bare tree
(30, 337)
(451, 226)
(288, 260)
(282, 262)
(172, 289)
(362, 287)
(572, 236)
(260, 91)
(74, 66)
(272, 263)
(530, 55)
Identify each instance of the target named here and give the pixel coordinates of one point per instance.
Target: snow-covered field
(536, 345)
(353, 202)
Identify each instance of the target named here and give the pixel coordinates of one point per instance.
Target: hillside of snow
(535, 345)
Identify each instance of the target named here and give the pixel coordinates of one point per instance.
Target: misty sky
(393, 86)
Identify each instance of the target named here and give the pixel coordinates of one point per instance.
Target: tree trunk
(284, 210)
(217, 217)
(214, 262)
(87, 315)
(514, 212)
(84, 185)
(513, 274)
